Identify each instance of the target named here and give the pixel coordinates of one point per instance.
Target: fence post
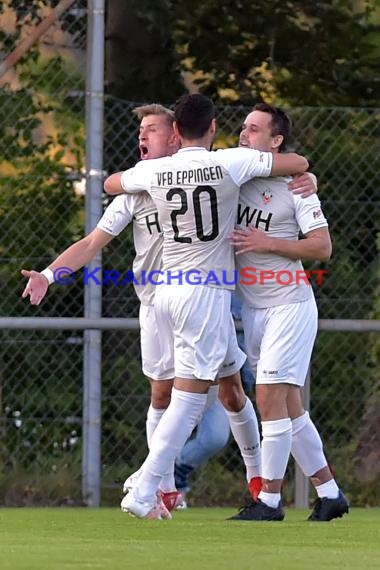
(91, 455)
(301, 485)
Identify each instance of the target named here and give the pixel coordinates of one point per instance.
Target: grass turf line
(106, 539)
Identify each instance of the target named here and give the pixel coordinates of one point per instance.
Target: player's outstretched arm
(36, 287)
(287, 164)
(72, 259)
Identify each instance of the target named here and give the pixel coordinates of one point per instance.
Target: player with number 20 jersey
(196, 193)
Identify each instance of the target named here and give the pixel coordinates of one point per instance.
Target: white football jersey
(267, 204)
(196, 193)
(141, 210)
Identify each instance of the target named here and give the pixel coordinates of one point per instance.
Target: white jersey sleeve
(139, 178)
(117, 215)
(309, 214)
(142, 212)
(243, 164)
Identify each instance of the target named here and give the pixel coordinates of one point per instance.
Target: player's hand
(250, 239)
(304, 184)
(36, 287)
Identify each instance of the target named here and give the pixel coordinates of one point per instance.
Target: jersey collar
(191, 148)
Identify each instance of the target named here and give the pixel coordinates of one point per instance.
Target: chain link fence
(42, 133)
(42, 126)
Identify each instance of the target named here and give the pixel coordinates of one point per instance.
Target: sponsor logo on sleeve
(108, 221)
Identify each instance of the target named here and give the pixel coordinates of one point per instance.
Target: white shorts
(235, 357)
(196, 331)
(279, 341)
(152, 365)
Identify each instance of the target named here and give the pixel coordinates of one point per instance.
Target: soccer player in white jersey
(196, 193)
(156, 139)
(280, 320)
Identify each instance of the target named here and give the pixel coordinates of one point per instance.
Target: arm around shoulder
(112, 184)
(286, 164)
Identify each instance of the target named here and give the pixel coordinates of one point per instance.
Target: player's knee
(160, 398)
(232, 397)
(161, 393)
(271, 401)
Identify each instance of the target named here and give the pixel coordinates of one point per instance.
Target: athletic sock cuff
(300, 422)
(276, 427)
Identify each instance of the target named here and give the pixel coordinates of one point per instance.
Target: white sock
(275, 447)
(270, 499)
(153, 418)
(245, 430)
(307, 447)
(168, 439)
(167, 484)
(329, 490)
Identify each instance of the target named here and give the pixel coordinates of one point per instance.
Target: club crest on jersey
(267, 196)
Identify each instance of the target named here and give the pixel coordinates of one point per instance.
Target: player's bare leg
(161, 392)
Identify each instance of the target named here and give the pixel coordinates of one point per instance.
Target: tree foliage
(305, 53)
(42, 147)
(309, 52)
(141, 62)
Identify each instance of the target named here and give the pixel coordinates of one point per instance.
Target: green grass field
(106, 539)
